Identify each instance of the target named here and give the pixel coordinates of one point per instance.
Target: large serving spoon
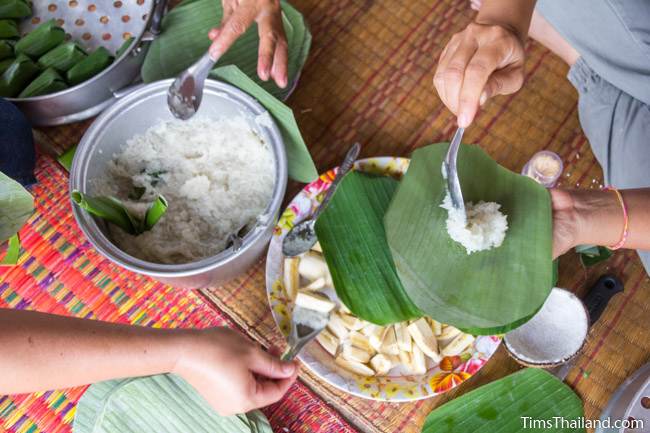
(306, 324)
(450, 172)
(185, 94)
(302, 236)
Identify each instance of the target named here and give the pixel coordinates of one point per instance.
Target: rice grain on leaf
(353, 239)
(486, 292)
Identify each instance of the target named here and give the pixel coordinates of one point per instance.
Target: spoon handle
(345, 166)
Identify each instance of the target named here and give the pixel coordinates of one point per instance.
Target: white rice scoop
(557, 333)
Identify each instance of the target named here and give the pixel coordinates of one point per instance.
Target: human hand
(232, 373)
(565, 226)
(482, 61)
(238, 16)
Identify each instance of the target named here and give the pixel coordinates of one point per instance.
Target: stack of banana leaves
(42, 61)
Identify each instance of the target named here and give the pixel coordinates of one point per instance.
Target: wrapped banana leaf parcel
(41, 40)
(9, 29)
(17, 76)
(4, 64)
(63, 57)
(89, 66)
(14, 9)
(397, 251)
(47, 82)
(6, 49)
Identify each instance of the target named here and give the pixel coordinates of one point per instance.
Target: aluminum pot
(134, 114)
(89, 98)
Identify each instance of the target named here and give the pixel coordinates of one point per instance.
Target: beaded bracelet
(626, 219)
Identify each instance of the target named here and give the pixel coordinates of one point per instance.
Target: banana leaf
(90, 66)
(17, 75)
(301, 165)
(4, 64)
(16, 206)
(63, 57)
(48, 82)
(486, 292)
(591, 255)
(184, 40)
(6, 49)
(41, 40)
(156, 403)
(353, 239)
(66, 157)
(13, 251)
(505, 404)
(113, 211)
(9, 29)
(125, 46)
(14, 9)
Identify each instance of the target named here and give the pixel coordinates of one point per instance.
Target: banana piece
(351, 322)
(314, 301)
(337, 327)
(457, 345)
(291, 277)
(317, 248)
(317, 284)
(404, 341)
(449, 332)
(381, 364)
(313, 266)
(329, 342)
(418, 362)
(353, 353)
(437, 327)
(424, 339)
(359, 340)
(354, 367)
(375, 335)
(389, 344)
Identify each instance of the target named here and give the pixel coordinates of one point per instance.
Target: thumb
(270, 366)
(503, 82)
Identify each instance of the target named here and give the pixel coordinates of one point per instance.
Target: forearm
(600, 221)
(511, 14)
(43, 351)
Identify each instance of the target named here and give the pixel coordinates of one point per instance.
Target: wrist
(599, 217)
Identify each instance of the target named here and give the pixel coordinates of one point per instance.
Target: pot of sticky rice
(223, 174)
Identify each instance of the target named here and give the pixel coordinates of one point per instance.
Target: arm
(588, 217)
(48, 351)
(485, 59)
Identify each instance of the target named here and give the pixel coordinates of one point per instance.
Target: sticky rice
(484, 228)
(217, 176)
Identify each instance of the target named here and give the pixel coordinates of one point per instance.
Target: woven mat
(368, 79)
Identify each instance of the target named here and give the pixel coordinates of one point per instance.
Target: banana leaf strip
(17, 75)
(301, 165)
(90, 66)
(4, 64)
(41, 40)
(184, 40)
(14, 9)
(48, 82)
(6, 49)
(161, 403)
(63, 57)
(506, 404)
(66, 158)
(9, 29)
(124, 47)
(114, 211)
(591, 255)
(353, 239)
(12, 252)
(487, 292)
(16, 206)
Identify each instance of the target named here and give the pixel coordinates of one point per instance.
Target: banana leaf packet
(9, 29)
(17, 75)
(6, 49)
(4, 64)
(63, 57)
(40, 40)
(48, 82)
(125, 46)
(14, 9)
(90, 66)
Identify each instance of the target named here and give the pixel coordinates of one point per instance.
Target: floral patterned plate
(448, 374)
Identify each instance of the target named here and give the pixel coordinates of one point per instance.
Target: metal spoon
(450, 171)
(185, 94)
(302, 333)
(303, 236)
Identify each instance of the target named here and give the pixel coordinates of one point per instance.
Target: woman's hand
(482, 61)
(565, 222)
(238, 16)
(232, 373)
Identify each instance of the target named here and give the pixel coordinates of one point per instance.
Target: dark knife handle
(599, 295)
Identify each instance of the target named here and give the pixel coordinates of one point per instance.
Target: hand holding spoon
(185, 94)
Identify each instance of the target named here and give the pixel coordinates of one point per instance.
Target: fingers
(477, 72)
(503, 82)
(269, 391)
(231, 29)
(273, 55)
(450, 73)
(270, 366)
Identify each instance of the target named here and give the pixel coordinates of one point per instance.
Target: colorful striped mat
(59, 272)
